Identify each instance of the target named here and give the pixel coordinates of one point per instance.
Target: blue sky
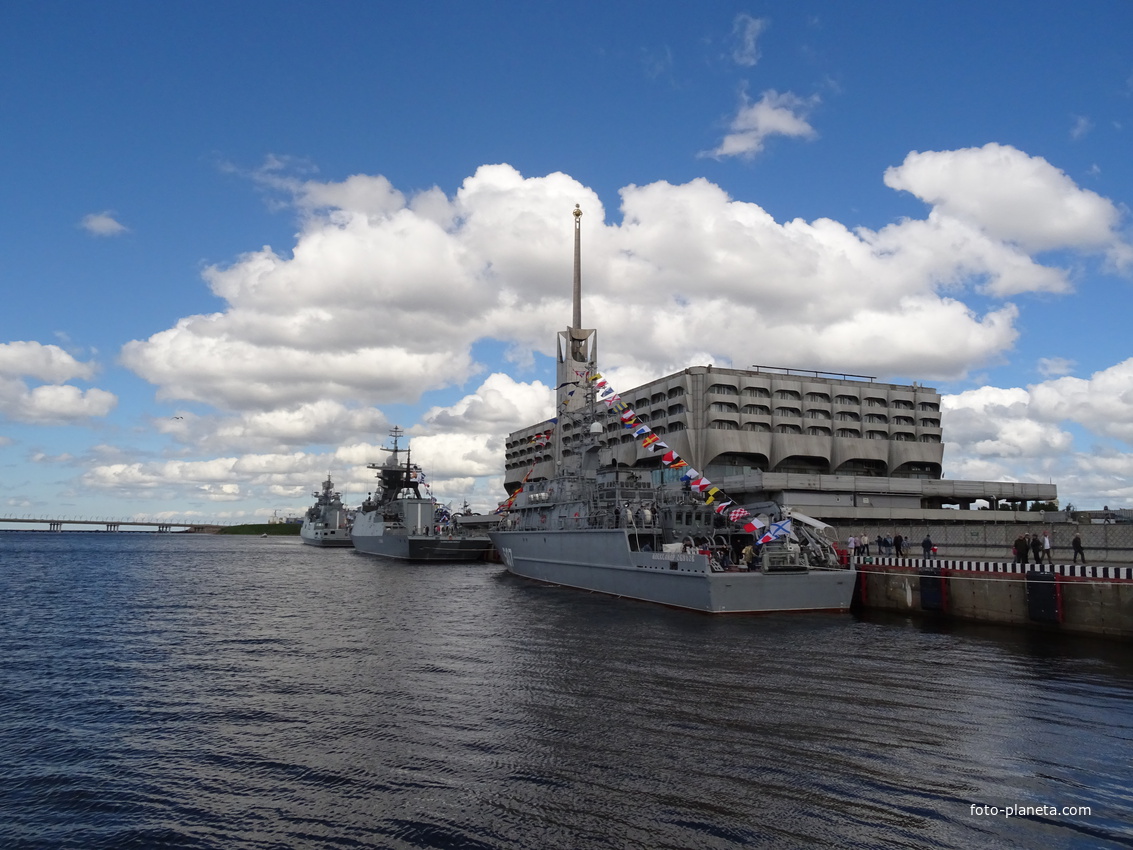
(242, 240)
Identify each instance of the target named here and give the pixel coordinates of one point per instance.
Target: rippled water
(222, 692)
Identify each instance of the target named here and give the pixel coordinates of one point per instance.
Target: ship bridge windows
(846, 399)
(762, 427)
(723, 389)
(756, 392)
(724, 425)
(756, 410)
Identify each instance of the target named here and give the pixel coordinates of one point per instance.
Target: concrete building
(843, 448)
(840, 447)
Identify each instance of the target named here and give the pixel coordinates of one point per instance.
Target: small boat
(398, 522)
(327, 522)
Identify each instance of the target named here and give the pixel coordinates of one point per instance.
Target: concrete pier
(1071, 598)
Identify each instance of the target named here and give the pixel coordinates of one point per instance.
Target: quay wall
(1071, 598)
(1103, 544)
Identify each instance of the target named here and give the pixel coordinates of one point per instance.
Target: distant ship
(398, 522)
(594, 526)
(327, 522)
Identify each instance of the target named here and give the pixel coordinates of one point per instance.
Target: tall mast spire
(577, 267)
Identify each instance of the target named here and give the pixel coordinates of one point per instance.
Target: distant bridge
(161, 526)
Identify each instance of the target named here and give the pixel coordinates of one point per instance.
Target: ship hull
(326, 538)
(600, 560)
(372, 536)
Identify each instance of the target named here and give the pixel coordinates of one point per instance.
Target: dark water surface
(222, 692)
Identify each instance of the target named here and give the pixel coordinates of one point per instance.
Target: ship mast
(577, 354)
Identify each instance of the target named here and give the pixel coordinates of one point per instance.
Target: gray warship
(398, 522)
(596, 527)
(327, 522)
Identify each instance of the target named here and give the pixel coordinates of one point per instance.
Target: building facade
(838, 446)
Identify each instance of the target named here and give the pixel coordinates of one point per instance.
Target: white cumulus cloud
(103, 224)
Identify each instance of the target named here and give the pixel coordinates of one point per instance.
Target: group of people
(859, 545)
(1038, 550)
(1031, 545)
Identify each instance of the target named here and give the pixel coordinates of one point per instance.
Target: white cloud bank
(54, 402)
(384, 295)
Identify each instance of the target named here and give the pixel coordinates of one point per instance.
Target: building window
(846, 399)
(876, 435)
(929, 438)
(676, 426)
(903, 437)
(929, 423)
(817, 431)
(877, 418)
(793, 395)
(847, 416)
(756, 410)
(676, 391)
(788, 411)
(849, 432)
(675, 409)
(873, 401)
(818, 414)
(901, 404)
(723, 425)
(903, 420)
(761, 427)
(929, 406)
(656, 397)
(757, 392)
(788, 429)
(723, 407)
(723, 389)
(818, 398)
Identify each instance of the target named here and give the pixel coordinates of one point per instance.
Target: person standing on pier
(926, 547)
(1037, 549)
(1021, 549)
(1076, 544)
(899, 545)
(1047, 553)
